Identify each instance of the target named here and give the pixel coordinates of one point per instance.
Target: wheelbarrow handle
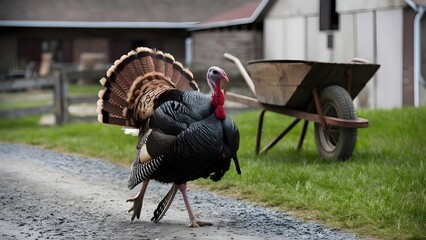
(242, 70)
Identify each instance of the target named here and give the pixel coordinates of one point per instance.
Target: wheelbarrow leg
(319, 108)
(302, 135)
(259, 131)
(279, 137)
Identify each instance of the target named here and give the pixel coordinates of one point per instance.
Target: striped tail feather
(159, 62)
(145, 59)
(183, 78)
(135, 82)
(169, 60)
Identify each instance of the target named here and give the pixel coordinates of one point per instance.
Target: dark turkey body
(195, 153)
(200, 149)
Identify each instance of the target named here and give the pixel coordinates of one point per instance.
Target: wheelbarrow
(320, 92)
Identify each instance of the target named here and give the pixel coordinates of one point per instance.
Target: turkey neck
(218, 101)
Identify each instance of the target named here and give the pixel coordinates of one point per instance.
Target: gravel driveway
(48, 195)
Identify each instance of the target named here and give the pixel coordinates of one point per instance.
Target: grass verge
(380, 192)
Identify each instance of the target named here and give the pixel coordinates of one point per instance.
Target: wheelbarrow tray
(321, 92)
(290, 83)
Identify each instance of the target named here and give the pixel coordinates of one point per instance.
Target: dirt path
(47, 195)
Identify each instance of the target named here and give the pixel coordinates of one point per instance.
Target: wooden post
(57, 97)
(64, 96)
(60, 97)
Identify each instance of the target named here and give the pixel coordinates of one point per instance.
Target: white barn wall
(294, 44)
(389, 56)
(292, 32)
(367, 5)
(272, 45)
(344, 40)
(293, 8)
(285, 32)
(364, 48)
(317, 42)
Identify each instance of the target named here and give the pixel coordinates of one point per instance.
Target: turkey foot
(197, 223)
(193, 222)
(138, 200)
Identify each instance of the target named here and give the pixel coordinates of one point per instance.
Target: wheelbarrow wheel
(336, 142)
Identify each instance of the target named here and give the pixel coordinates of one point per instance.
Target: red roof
(246, 14)
(111, 13)
(245, 11)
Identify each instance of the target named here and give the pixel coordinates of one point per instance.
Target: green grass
(380, 192)
(91, 139)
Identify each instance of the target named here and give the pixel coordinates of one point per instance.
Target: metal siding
(408, 58)
(389, 55)
(365, 49)
(294, 38)
(317, 42)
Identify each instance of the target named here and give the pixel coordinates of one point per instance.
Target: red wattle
(218, 98)
(214, 102)
(221, 97)
(220, 112)
(217, 101)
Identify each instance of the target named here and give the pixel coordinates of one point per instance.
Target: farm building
(198, 32)
(381, 31)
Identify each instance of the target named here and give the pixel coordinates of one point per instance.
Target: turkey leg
(138, 200)
(193, 222)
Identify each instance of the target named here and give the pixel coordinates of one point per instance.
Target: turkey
(183, 134)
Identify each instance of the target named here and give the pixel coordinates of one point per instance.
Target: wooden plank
(73, 74)
(289, 83)
(88, 99)
(278, 73)
(275, 82)
(24, 83)
(21, 112)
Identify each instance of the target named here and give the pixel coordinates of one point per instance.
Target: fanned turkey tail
(137, 83)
